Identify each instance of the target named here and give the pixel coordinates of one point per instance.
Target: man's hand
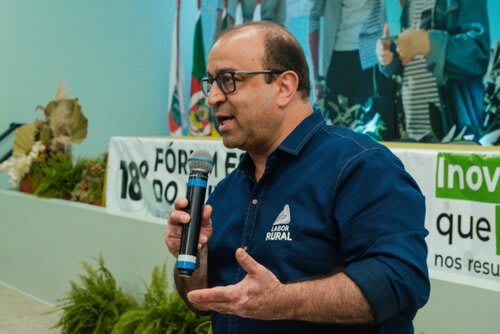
(253, 297)
(412, 42)
(177, 218)
(260, 295)
(383, 50)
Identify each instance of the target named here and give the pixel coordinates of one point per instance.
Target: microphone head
(200, 161)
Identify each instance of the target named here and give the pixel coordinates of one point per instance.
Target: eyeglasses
(226, 80)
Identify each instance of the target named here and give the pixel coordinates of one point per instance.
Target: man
(319, 229)
(348, 68)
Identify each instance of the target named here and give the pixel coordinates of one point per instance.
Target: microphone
(200, 163)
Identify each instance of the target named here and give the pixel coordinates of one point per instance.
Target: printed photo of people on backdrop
(424, 71)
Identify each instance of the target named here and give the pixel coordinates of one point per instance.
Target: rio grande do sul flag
(201, 118)
(176, 84)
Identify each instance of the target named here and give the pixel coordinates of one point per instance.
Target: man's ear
(288, 83)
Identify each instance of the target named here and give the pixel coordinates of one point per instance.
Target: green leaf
(94, 305)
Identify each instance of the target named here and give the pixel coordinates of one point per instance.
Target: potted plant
(98, 305)
(90, 188)
(161, 312)
(45, 145)
(95, 305)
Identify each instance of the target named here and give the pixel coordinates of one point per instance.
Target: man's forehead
(237, 50)
(244, 32)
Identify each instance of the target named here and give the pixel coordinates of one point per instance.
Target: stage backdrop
(145, 175)
(200, 22)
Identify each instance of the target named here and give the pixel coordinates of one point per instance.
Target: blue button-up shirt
(329, 200)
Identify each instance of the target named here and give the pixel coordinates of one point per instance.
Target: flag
(201, 118)
(176, 85)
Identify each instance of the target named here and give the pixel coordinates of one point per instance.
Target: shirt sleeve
(220, 5)
(315, 15)
(380, 213)
(464, 52)
(231, 8)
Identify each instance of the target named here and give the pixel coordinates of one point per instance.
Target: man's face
(248, 118)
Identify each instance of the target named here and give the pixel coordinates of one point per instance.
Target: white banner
(145, 176)
(462, 213)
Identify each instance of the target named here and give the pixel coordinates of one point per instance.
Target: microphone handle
(187, 261)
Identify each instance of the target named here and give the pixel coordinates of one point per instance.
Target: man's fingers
(247, 262)
(387, 32)
(179, 217)
(213, 295)
(207, 211)
(385, 44)
(180, 204)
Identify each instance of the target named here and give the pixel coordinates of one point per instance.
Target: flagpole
(177, 40)
(178, 81)
(176, 110)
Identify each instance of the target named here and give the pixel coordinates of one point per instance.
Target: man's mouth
(224, 121)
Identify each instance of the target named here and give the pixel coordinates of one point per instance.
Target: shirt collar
(302, 133)
(294, 142)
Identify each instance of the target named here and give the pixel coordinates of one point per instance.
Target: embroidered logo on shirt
(280, 230)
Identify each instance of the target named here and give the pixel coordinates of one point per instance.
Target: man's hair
(282, 52)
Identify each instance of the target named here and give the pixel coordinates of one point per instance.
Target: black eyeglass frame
(207, 81)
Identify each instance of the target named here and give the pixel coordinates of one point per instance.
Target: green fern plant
(55, 176)
(95, 305)
(161, 312)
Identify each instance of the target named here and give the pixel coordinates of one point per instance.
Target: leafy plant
(95, 305)
(64, 124)
(90, 188)
(491, 123)
(359, 118)
(161, 312)
(54, 176)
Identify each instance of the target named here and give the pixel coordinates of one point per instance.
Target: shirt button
(254, 201)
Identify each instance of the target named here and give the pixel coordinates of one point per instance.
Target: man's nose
(215, 95)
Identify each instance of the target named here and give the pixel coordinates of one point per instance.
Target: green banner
(472, 177)
(497, 215)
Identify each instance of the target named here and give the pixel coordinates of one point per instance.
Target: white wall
(113, 55)
(41, 248)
